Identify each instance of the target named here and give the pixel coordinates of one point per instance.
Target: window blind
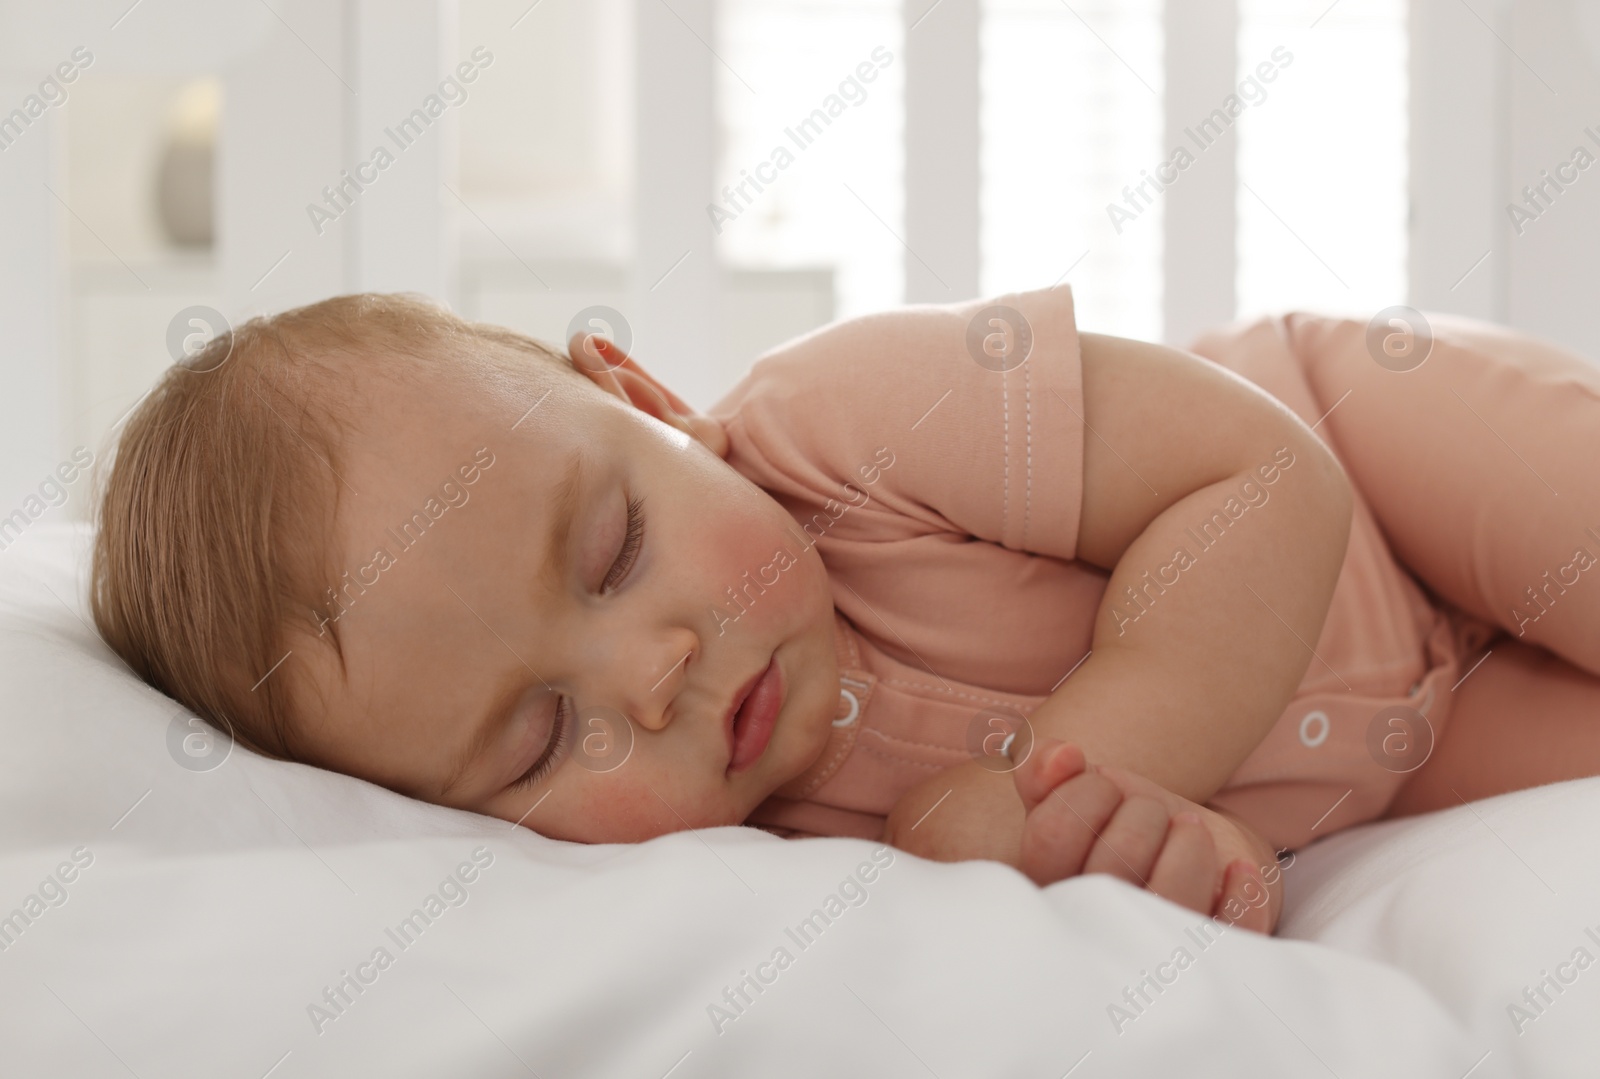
(795, 111)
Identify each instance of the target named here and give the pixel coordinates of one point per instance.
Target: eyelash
(630, 542)
(547, 759)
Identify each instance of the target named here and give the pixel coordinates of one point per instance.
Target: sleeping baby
(954, 577)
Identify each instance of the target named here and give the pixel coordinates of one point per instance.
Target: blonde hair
(215, 519)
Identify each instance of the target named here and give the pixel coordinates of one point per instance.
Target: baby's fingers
(1244, 900)
(1187, 871)
(1058, 835)
(1050, 764)
(1129, 844)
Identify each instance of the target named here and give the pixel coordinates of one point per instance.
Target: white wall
(1502, 91)
(1555, 262)
(31, 440)
(1460, 119)
(551, 182)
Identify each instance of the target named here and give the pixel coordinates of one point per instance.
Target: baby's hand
(1083, 819)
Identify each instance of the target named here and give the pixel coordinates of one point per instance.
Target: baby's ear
(605, 364)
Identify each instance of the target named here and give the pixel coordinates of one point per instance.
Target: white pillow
(1494, 906)
(211, 913)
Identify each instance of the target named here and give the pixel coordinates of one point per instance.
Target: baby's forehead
(428, 431)
(479, 382)
(385, 404)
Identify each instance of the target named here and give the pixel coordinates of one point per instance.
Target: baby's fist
(1081, 819)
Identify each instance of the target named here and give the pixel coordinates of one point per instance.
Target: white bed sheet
(210, 911)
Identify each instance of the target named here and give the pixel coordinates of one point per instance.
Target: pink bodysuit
(943, 495)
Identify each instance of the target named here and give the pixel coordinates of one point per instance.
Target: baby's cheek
(758, 570)
(738, 539)
(632, 809)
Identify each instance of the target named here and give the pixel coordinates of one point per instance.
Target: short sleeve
(962, 418)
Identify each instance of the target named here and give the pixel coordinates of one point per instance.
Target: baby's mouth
(754, 715)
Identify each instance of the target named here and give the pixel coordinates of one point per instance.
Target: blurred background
(721, 175)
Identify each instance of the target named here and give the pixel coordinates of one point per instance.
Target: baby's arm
(1184, 691)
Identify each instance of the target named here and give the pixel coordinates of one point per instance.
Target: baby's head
(357, 534)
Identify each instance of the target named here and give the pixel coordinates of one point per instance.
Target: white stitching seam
(1027, 504)
(895, 758)
(1005, 451)
(912, 742)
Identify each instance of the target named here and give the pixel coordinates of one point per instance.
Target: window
(1322, 159)
(1071, 100)
(836, 199)
(1070, 114)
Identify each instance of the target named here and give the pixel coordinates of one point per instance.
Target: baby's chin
(818, 731)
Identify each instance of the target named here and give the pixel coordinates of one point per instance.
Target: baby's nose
(650, 709)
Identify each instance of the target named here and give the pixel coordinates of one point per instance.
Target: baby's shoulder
(870, 367)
